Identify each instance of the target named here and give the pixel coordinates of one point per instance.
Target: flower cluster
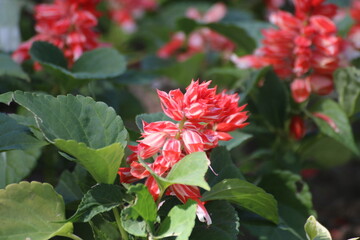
(200, 40)
(124, 12)
(68, 24)
(204, 118)
(304, 48)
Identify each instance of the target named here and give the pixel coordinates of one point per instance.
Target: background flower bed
(166, 44)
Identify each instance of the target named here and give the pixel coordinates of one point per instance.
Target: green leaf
(102, 163)
(235, 33)
(100, 63)
(99, 199)
(325, 152)
(188, 171)
(289, 189)
(184, 72)
(315, 231)
(238, 138)
(33, 211)
(103, 229)
(15, 165)
(225, 223)
(347, 83)
(272, 100)
(179, 222)
(150, 117)
(331, 109)
(144, 204)
(73, 185)
(131, 224)
(76, 118)
(15, 136)
(6, 98)
(245, 195)
(223, 166)
(10, 68)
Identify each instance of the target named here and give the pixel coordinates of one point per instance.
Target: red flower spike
(297, 127)
(303, 45)
(321, 84)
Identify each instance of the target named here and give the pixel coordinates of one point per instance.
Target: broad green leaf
(184, 72)
(76, 118)
(289, 189)
(272, 100)
(315, 231)
(245, 195)
(150, 117)
(15, 136)
(325, 151)
(15, 165)
(347, 83)
(223, 166)
(33, 211)
(6, 98)
(103, 229)
(235, 33)
(344, 133)
(144, 204)
(225, 223)
(253, 28)
(188, 171)
(238, 138)
(9, 68)
(99, 199)
(73, 185)
(179, 222)
(100, 63)
(102, 163)
(131, 223)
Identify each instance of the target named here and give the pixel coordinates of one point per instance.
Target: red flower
(68, 24)
(199, 40)
(124, 12)
(297, 127)
(304, 45)
(204, 118)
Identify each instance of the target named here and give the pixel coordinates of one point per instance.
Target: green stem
(74, 237)
(124, 235)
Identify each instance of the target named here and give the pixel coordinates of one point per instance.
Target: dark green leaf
(186, 25)
(238, 138)
(179, 222)
(343, 133)
(184, 72)
(103, 229)
(245, 195)
(15, 136)
(33, 211)
(75, 118)
(272, 100)
(223, 166)
(15, 165)
(235, 33)
(102, 163)
(131, 224)
(99, 64)
(225, 223)
(347, 83)
(9, 68)
(48, 54)
(99, 199)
